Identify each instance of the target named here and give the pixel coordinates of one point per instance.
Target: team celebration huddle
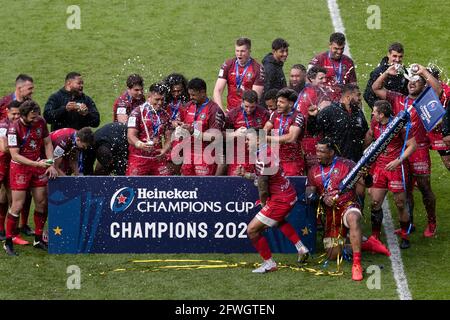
(311, 124)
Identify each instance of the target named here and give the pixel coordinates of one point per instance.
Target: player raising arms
(387, 171)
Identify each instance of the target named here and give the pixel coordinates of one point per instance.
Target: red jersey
(339, 72)
(29, 139)
(393, 149)
(331, 176)
(279, 186)
(310, 95)
(244, 78)
(149, 125)
(4, 102)
(5, 157)
(281, 125)
(238, 118)
(125, 104)
(400, 102)
(63, 141)
(202, 118)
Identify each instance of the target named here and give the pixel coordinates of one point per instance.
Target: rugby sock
(262, 246)
(431, 217)
(288, 230)
(39, 222)
(404, 226)
(357, 258)
(3, 212)
(377, 220)
(11, 225)
(25, 213)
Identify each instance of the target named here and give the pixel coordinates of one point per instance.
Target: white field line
(396, 258)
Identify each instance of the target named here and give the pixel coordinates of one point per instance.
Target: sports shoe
(430, 230)
(9, 250)
(266, 266)
(40, 245)
(398, 231)
(303, 254)
(405, 244)
(357, 274)
(19, 241)
(2, 235)
(374, 245)
(26, 230)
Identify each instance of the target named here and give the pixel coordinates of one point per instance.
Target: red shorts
(293, 168)
(198, 169)
(275, 211)
(420, 162)
(139, 166)
(391, 180)
(309, 150)
(231, 168)
(23, 177)
(332, 230)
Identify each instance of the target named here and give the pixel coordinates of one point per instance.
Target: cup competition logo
(122, 199)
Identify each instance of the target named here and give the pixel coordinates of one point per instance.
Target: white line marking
(396, 257)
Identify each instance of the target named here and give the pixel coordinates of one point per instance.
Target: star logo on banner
(57, 231)
(305, 231)
(121, 199)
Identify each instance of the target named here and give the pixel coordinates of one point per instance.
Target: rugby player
(277, 196)
(238, 75)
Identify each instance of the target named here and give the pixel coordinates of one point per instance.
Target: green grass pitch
(155, 38)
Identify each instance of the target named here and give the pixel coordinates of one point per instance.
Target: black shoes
(9, 249)
(26, 230)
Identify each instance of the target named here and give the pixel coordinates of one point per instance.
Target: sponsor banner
(163, 215)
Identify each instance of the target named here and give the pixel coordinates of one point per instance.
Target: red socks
(262, 246)
(357, 258)
(39, 221)
(288, 230)
(11, 225)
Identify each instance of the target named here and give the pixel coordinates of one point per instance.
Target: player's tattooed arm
(263, 188)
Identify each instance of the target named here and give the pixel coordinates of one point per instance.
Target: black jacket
(112, 136)
(273, 73)
(396, 83)
(346, 130)
(55, 112)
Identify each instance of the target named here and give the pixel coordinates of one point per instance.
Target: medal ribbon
(326, 179)
(337, 73)
(240, 77)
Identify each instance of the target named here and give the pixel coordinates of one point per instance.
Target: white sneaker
(303, 254)
(266, 266)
